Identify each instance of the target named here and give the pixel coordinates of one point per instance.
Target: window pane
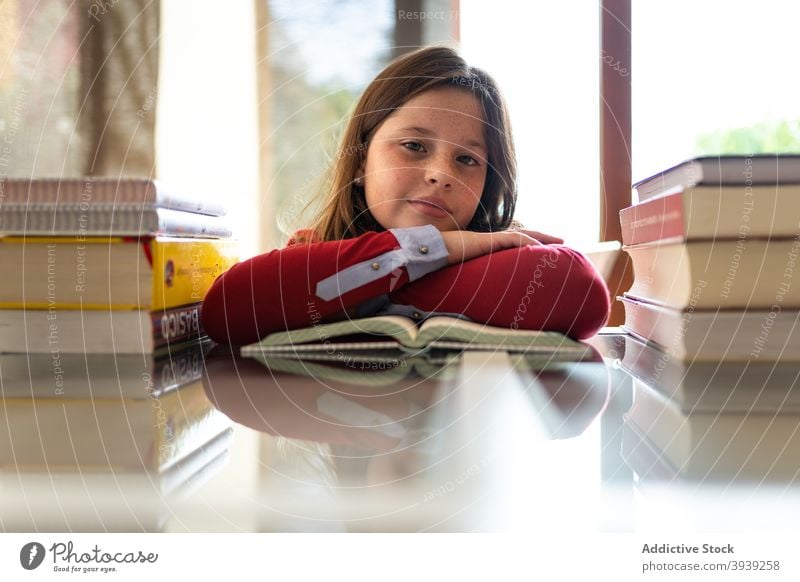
(39, 83)
(544, 57)
(322, 56)
(713, 77)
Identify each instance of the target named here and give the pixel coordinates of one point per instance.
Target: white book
(89, 192)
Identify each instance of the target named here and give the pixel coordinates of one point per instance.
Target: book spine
(90, 193)
(659, 326)
(653, 220)
(185, 269)
(69, 207)
(173, 326)
(111, 221)
(178, 223)
(83, 192)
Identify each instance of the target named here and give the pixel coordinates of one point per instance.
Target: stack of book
(98, 265)
(713, 313)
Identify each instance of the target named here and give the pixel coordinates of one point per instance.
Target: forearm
(549, 287)
(302, 285)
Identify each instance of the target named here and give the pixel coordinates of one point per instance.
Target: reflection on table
(401, 444)
(104, 442)
(726, 422)
(628, 440)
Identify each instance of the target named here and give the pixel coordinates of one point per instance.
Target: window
(714, 77)
(322, 56)
(544, 57)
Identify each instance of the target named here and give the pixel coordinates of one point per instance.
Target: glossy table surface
(490, 442)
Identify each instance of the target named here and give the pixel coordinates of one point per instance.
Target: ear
(359, 179)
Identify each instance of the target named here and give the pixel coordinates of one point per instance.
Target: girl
(416, 222)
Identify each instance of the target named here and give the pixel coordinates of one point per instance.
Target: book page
(390, 327)
(469, 332)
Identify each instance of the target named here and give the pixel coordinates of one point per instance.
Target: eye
(414, 146)
(468, 160)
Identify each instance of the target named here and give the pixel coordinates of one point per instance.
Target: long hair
(344, 213)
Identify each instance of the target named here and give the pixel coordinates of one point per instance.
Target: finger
(543, 238)
(524, 238)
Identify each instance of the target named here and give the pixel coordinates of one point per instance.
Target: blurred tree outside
(761, 138)
(322, 55)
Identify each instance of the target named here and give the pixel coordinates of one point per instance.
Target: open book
(401, 333)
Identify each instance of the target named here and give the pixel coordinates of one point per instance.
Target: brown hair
(344, 213)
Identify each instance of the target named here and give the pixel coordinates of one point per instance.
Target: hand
(463, 245)
(545, 239)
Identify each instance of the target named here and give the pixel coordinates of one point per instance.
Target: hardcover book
(714, 212)
(111, 273)
(732, 274)
(101, 331)
(722, 170)
(716, 335)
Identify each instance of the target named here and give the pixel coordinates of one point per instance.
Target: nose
(438, 173)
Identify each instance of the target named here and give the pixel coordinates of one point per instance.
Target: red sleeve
(548, 287)
(277, 290)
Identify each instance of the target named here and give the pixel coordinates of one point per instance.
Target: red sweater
(549, 287)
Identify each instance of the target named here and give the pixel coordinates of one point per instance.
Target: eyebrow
(428, 132)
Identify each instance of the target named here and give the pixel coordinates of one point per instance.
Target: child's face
(426, 163)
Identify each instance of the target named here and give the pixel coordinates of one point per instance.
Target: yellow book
(111, 272)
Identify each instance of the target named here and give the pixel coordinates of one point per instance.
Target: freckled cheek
(402, 179)
(472, 189)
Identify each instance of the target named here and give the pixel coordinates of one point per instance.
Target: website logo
(169, 273)
(31, 555)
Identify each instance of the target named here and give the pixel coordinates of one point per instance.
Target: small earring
(359, 181)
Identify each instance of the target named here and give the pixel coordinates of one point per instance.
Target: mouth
(429, 207)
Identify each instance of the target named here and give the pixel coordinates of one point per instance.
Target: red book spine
(653, 220)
